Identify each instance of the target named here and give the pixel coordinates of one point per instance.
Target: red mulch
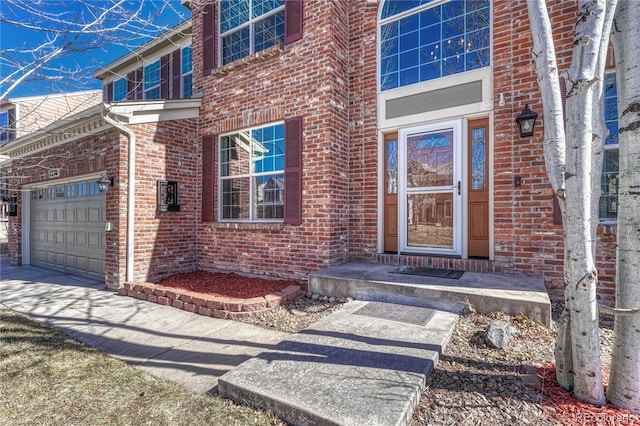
(570, 411)
(226, 284)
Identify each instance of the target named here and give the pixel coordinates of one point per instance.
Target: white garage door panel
(70, 261)
(95, 215)
(67, 234)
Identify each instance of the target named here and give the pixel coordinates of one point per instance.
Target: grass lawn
(47, 378)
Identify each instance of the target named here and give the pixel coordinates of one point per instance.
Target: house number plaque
(168, 196)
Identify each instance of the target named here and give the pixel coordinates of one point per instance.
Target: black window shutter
(11, 118)
(164, 77)
(109, 94)
(208, 177)
(176, 74)
(131, 85)
(293, 170)
(208, 39)
(292, 20)
(138, 79)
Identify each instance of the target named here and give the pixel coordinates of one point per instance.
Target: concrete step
(366, 364)
(485, 292)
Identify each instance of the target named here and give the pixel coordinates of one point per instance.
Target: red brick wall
(363, 136)
(116, 213)
(526, 240)
(165, 241)
(308, 78)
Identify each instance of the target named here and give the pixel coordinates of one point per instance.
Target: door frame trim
(458, 126)
(26, 227)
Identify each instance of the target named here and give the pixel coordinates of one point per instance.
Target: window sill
(248, 226)
(263, 55)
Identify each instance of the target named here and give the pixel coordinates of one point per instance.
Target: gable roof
(168, 38)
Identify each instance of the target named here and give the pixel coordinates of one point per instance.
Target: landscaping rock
(498, 334)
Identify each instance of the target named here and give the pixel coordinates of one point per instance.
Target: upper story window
(120, 90)
(422, 40)
(187, 67)
(152, 81)
(249, 26)
(252, 174)
(609, 199)
(168, 77)
(4, 126)
(7, 125)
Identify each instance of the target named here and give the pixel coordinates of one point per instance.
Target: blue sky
(84, 53)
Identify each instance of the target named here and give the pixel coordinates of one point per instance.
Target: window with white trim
(421, 40)
(120, 90)
(152, 81)
(187, 67)
(251, 174)
(608, 206)
(249, 26)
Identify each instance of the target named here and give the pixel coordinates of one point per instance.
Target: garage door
(67, 229)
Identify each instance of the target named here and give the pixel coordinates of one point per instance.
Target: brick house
(289, 136)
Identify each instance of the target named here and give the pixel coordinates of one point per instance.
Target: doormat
(399, 313)
(429, 272)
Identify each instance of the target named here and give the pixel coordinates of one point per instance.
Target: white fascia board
(147, 111)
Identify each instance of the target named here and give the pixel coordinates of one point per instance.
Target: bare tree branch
(83, 29)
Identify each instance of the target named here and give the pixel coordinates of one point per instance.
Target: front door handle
(459, 189)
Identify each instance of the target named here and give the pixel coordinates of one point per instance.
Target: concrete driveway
(189, 349)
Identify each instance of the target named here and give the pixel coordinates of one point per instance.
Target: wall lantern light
(526, 121)
(104, 182)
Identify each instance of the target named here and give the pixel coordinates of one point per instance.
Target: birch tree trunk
(577, 348)
(554, 155)
(580, 262)
(624, 381)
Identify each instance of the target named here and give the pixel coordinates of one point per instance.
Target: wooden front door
(478, 185)
(391, 193)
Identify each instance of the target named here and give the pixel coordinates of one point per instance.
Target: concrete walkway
(190, 349)
(366, 364)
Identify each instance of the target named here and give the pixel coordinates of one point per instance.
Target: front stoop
(208, 304)
(356, 366)
(484, 292)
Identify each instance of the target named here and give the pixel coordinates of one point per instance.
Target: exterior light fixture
(104, 182)
(526, 121)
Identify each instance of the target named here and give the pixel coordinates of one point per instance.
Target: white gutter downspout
(131, 188)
